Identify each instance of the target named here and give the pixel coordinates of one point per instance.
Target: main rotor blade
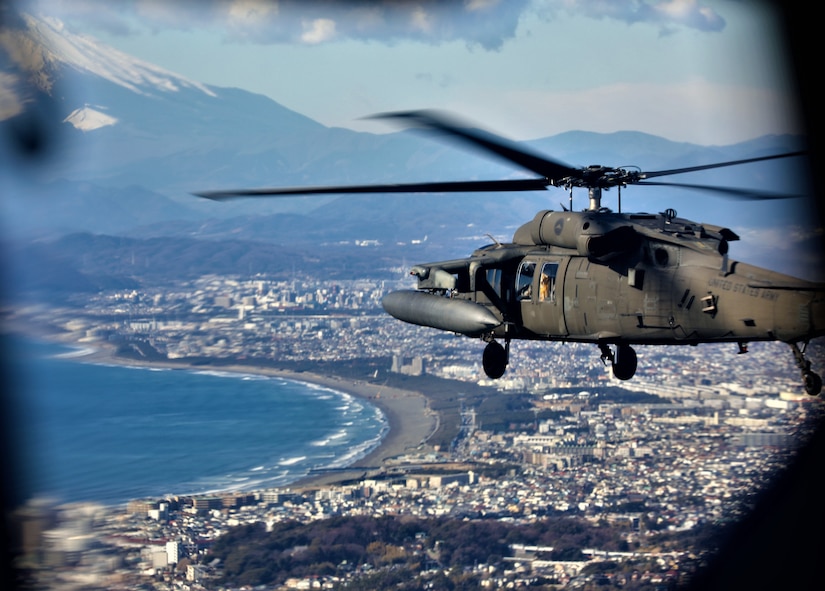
(442, 187)
(650, 175)
(495, 144)
(751, 194)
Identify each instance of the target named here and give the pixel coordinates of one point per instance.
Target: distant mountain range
(132, 141)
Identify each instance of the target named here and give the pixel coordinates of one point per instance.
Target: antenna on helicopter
(493, 238)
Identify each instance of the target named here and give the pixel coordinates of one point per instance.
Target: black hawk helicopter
(595, 276)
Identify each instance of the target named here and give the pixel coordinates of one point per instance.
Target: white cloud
(420, 20)
(318, 31)
(663, 13)
(688, 13)
(473, 5)
(251, 12)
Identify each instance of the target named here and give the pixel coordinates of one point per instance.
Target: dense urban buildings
(654, 470)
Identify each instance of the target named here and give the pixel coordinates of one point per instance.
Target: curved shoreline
(410, 422)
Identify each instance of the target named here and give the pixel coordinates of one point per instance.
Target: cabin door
(542, 296)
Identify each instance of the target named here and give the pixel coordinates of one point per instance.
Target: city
(713, 428)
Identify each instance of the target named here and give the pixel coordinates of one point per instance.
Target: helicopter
(595, 276)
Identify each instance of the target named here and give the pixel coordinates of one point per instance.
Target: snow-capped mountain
(44, 44)
(121, 124)
(88, 119)
(95, 86)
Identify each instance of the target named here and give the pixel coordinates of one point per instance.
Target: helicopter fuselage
(612, 279)
(683, 300)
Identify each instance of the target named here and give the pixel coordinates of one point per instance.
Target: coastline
(410, 422)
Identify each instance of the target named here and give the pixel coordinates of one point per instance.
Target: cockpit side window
(524, 280)
(547, 282)
(494, 279)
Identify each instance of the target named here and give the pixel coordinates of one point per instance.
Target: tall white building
(172, 552)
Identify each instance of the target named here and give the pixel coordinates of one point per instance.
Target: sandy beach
(410, 420)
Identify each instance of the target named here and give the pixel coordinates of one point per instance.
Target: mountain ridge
(172, 137)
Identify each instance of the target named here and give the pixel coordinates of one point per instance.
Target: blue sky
(702, 71)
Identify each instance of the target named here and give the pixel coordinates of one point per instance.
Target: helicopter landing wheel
(624, 365)
(812, 382)
(494, 360)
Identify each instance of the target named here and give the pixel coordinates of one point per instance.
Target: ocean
(109, 433)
